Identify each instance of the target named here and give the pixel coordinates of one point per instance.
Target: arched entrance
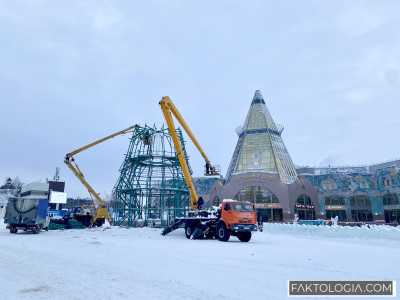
(361, 210)
(304, 208)
(391, 206)
(265, 202)
(335, 206)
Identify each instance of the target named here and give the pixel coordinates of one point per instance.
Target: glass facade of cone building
(261, 170)
(260, 147)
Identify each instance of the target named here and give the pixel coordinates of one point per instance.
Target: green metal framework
(151, 189)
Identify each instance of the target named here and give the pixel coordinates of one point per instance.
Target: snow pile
(363, 232)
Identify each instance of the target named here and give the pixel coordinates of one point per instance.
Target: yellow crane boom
(168, 107)
(100, 211)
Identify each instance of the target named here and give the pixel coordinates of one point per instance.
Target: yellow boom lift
(233, 217)
(97, 218)
(167, 108)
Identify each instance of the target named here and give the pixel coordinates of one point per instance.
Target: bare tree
(108, 200)
(17, 183)
(4, 196)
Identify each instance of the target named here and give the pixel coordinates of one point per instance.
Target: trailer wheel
(244, 236)
(188, 231)
(13, 230)
(223, 233)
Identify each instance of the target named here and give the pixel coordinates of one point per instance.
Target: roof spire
(258, 98)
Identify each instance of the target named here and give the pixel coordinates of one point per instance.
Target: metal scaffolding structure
(151, 189)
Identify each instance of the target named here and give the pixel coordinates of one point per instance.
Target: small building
(391, 164)
(7, 186)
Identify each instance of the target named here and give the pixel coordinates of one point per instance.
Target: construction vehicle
(27, 214)
(236, 218)
(99, 214)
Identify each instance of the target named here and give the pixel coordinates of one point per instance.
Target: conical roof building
(260, 147)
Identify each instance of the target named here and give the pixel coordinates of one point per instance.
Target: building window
(324, 186)
(361, 209)
(256, 194)
(391, 199)
(335, 206)
(334, 200)
(304, 208)
(266, 203)
(392, 216)
(341, 214)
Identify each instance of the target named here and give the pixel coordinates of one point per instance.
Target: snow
(120, 263)
(229, 200)
(374, 232)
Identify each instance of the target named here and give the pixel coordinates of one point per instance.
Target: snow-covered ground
(119, 263)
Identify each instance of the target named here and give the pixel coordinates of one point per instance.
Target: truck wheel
(223, 233)
(188, 231)
(99, 222)
(13, 230)
(244, 236)
(37, 230)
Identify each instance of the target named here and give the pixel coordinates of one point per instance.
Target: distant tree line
(75, 202)
(108, 199)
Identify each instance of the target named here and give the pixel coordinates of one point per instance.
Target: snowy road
(139, 263)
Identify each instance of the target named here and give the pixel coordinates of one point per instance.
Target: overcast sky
(72, 72)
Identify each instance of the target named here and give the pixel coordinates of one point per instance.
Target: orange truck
(236, 218)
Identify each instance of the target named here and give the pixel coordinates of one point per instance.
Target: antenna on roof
(57, 175)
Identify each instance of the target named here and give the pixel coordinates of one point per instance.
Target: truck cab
(238, 218)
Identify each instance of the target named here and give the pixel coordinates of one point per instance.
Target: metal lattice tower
(151, 188)
(260, 147)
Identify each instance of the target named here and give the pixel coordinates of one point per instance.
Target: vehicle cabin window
(242, 207)
(227, 206)
(237, 206)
